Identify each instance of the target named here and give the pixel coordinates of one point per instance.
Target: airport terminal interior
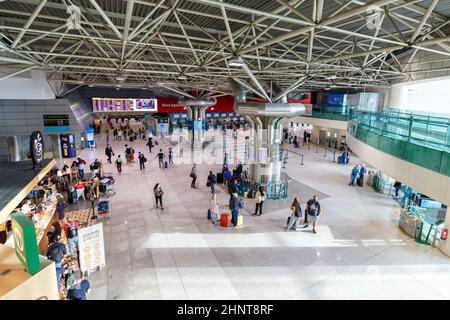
(224, 149)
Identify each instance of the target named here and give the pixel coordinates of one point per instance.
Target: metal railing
(419, 139)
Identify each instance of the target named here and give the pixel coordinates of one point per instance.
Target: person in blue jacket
(362, 173)
(355, 173)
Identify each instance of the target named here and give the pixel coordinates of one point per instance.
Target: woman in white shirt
(259, 201)
(214, 208)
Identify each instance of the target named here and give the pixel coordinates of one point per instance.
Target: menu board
(92, 248)
(123, 104)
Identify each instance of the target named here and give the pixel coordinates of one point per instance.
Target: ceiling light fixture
(182, 77)
(120, 78)
(91, 85)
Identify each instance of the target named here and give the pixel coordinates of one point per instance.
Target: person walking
(119, 164)
(115, 134)
(296, 215)
(259, 201)
(193, 175)
(150, 144)
(355, 173)
(127, 154)
(160, 157)
(71, 230)
(119, 134)
(142, 161)
(211, 181)
(158, 192)
(56, 251)
(109, 152)
(171, 157)
(362, 174)
(313, 210)
(234, 205)
(225, 160)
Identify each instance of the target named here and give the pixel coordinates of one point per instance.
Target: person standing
(354, 175)
(296, 215)
(60, 208)
(160, 157)
(214, 208)
(79, 287)
(81, 165)
(119, 134)
(234, 205)
(313, 209)
(225, 160)
(259, 201)
(142, 161)
(397, 187)
(115, 134)
(362, 174)
(127, 153)
(158, 192)
(109, 152)
(193, 175)
(56, 252)
(71, 230)
(212, 181)
(119, 164)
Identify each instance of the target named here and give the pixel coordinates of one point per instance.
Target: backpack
(72, 231)
(314, 209)
(144, 160)
(56, 254)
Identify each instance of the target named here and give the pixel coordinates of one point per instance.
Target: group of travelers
(312, 212)
(357, 175)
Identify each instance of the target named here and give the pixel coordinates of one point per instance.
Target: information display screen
(124, 104)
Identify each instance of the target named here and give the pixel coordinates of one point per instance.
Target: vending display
(68, 149)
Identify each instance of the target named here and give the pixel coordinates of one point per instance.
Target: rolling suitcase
(219, 177)
(225, 220)
(72, 197)
(209, 214)
(240, 220)
(166, 164)
(359, 182)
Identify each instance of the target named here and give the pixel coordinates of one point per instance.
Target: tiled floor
(176, 253)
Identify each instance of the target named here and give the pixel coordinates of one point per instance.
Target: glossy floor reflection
(176, 253)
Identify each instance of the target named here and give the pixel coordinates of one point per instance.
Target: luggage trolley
(103, 210)
(107, 185)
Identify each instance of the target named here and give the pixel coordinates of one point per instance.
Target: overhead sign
(124, 104)
(25, 242)
(92, 248)
(56, 122)
(37, 147)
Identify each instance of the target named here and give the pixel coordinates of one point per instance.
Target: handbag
(192, 175)
(208, 184)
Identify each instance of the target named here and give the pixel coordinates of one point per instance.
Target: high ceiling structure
(176, 46)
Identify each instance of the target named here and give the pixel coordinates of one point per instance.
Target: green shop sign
(25, 242)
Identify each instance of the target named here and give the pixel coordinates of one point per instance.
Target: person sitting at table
(27, 207)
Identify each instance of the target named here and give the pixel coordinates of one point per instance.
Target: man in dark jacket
(235, 205)
(142, 161)
(56, 252)
(212, 181)
(109, 152)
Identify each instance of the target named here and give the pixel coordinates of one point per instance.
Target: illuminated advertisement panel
(123, 104)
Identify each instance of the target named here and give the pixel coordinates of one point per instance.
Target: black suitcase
(359, 182)
(72, 197)
(131, 138)
(219, 177)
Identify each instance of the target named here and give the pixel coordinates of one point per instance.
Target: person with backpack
(71, 230)
(142, 161)
(160, 157)
(109, 152)
(119, 164)
(259, 201)
(355, 173)
(79, 287)
(235, 205)
(56, 252)
(193, 175)
(296, 215)
(211, 181)
(313, 210)
(158, 193)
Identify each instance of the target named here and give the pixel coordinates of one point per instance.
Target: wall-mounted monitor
(124, 105)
